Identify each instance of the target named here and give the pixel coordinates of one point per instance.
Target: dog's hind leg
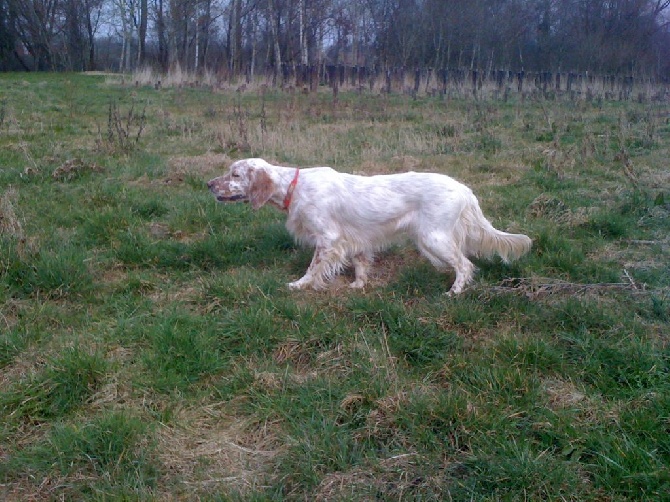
(464, 269)
(443, 252)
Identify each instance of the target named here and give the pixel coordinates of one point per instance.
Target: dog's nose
(210, 184)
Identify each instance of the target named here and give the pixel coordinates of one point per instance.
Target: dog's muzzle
(232, 198)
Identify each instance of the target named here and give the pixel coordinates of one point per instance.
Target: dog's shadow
(401, 271)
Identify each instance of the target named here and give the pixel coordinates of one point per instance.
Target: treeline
(497, 84)
(246, 37)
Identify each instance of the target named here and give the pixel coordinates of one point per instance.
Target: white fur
(348, 218)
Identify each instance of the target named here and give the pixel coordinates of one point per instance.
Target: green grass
(149, 346)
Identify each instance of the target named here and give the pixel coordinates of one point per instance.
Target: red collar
(291, 187)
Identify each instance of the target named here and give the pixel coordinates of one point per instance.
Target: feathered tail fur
(482, 240)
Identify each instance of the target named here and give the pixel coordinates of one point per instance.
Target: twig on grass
(534, 288)
(633, 284)
(643, 242)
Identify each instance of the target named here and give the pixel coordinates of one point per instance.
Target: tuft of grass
(411, 337)
(107, 456)
(54, 273)
(57, 391)
(182, 350)
(12, 343)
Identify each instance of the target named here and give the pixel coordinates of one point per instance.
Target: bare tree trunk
(274, 26)
(184, 41)
(196, 57)
(75, 39)
(124, 9)
(90, 31)
(304, 55)
(231, 37)
(254, 48)
(123, 52)
(160, 33)
(142, 33)
(204, 24)
(235, 37)
(238, 36)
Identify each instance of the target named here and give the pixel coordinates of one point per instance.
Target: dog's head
(247, 180)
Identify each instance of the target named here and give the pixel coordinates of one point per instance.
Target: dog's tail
(482, 240)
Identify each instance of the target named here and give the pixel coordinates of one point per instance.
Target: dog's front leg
(361, 262)
(307, 279)
(325, 264)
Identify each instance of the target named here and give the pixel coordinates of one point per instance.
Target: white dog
(348, 218)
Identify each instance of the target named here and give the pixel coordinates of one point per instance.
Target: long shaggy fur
(347, 218)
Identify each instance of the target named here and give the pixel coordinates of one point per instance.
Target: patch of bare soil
(385, 269)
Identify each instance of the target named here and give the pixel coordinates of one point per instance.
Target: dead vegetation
(209, 450)
(10, 225)
(535, 287)
(124, 130)
(73, 168)
(208, 164)
(400, 477)
(552, 208)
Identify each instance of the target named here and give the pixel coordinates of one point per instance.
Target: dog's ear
(261, 188)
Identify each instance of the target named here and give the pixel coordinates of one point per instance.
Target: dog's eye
(235, 175)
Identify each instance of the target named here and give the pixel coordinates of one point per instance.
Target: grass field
(150, 350)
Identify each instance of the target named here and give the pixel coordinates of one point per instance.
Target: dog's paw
(455, 291)
(296, 285)
(357, 284)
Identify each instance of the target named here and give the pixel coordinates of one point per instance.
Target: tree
(161, 34)
(142, 33)
(37, 26)
(92, 11)
(274, 20)
(8, 36)
(618, 37)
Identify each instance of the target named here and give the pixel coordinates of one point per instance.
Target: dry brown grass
(204, 165)
(10, 224)
(206, 450)
(73, 168)
(552, 208)
(565, 395)
(394, 478)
